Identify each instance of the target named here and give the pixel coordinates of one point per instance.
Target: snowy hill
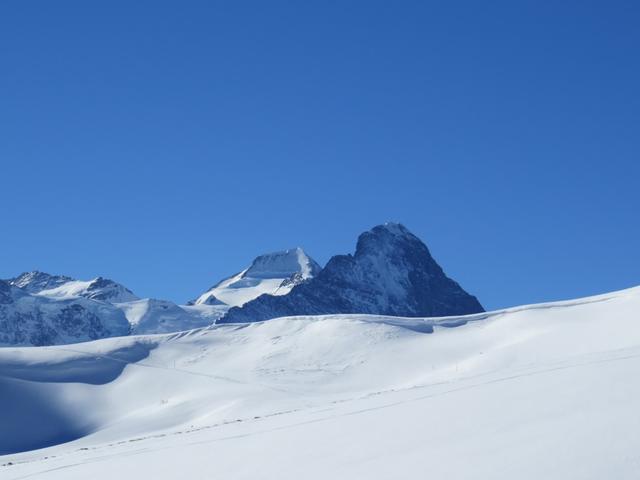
(541, 391)
(271, 274)
(391, 273)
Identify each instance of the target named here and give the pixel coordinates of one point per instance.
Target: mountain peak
(273, 273)
(61, 286)
(390, 273)
(36, 281)
(283, 264)
(386, 239)
(394, 228)
(107, 290)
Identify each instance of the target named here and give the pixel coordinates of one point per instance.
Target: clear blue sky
(165, 144)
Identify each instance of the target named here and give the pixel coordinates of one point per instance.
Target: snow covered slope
(272, 274)
(543, 391)
(62, 287)
(160, 316)
(35, 281)
(99, 288)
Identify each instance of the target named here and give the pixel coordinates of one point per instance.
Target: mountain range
(391, 273)
(386, 392)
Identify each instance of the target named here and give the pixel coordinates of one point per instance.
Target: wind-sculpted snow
(73, 365)
(486, 395)
(391, 273)
(36, 417)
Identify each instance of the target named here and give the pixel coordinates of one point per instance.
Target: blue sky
(166, 144)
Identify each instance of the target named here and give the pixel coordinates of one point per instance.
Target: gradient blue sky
(166, 144)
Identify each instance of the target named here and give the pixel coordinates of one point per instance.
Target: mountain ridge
(391, 272)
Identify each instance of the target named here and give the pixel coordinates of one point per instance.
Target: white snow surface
(239, 289)
(114, 292)
(542, 391)
(149, 315)
(269, 274)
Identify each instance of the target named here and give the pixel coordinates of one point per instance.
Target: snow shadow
(32, 416)
(30, 420)
(84, 368)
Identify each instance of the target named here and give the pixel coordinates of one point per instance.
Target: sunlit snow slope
(270, 274)
(544, 391)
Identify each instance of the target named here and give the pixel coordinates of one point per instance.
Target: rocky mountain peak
(391, 273)
(271, 274)
(36, 281)
(283, 264)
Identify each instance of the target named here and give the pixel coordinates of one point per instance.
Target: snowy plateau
(539, 391)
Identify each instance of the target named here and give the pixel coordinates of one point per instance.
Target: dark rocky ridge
(391, 273)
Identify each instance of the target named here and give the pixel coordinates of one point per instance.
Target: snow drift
(541, 391)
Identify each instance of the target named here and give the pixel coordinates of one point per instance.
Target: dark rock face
(77, 321)
(391, 273)
(5, 293)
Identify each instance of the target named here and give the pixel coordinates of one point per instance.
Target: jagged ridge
(391, 273)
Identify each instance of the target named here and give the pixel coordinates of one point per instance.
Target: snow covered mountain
(271, 274)
(43, 309)
(59, 286)
(35, 282)
(541, 391)
(27, 319)
(391, 273)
